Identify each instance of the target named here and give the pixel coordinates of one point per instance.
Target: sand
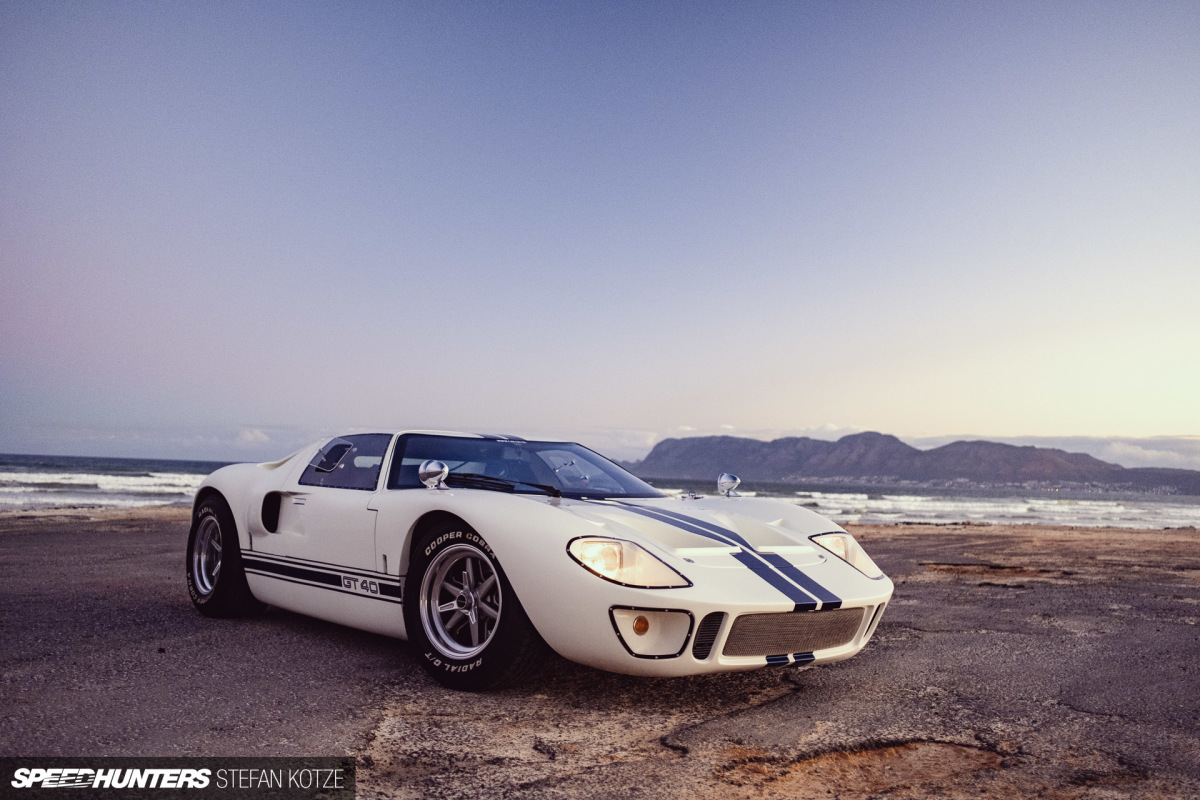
(1014, 661)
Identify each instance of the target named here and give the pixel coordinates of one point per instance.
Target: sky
(230, 228)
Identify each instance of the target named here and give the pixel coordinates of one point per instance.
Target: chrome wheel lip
(460, 601)
(206, 556)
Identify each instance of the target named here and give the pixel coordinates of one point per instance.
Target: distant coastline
(879, 460)
(46, 484)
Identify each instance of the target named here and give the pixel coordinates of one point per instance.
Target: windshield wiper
(473, 480)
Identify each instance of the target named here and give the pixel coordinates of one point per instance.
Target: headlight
(625, 563)
(844, 547)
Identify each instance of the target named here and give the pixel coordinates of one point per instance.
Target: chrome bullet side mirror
(726, 485)
(433, 474)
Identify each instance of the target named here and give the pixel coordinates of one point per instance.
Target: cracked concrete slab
(1013, 662)
(1073, 675)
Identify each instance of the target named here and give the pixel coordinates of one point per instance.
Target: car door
(324, 518)
(320, 559)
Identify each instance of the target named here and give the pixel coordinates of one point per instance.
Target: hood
(710, 526)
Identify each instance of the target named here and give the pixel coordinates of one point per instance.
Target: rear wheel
(462, 615)
(216, 579)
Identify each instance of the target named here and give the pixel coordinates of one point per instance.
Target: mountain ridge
(879, 456)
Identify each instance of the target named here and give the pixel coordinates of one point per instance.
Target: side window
(348, 462)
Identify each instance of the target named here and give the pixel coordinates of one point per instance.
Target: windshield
(571, 468)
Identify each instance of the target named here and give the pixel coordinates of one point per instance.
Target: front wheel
(462, 616)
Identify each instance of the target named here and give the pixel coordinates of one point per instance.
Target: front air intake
(706, 635)
(270, 511)
(792, 632)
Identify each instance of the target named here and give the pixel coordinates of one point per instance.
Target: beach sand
(1013, 661)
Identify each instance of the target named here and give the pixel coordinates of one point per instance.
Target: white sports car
(484, 550)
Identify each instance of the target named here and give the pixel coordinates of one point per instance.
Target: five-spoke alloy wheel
(465, 622)
(461, 601)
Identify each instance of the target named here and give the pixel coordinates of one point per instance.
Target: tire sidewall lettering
(454, 537)
(443, 664)
(428, 551)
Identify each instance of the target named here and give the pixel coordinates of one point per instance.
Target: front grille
(706, 635)
(792, 632)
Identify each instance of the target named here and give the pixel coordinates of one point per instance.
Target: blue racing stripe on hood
(828, 599)
(798, 587)
(699, 523)
(803, 601)
(687, 525)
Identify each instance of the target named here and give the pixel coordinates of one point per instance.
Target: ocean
(44, 482)
(48, 482)
(1124, 510)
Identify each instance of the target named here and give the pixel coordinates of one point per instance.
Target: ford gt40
(486, 552)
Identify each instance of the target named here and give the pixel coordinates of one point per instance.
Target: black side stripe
(798, 587)
(315, 576)
(328, 588)
(325, 580)
(321, 565)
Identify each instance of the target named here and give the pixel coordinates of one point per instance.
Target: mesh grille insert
(792, 632)
(706, 635)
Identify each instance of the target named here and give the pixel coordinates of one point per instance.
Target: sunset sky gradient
(226, 228)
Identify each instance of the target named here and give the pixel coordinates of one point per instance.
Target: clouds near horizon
(222, 220)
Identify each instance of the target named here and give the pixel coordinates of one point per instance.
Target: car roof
(496, 436)
(460, 434)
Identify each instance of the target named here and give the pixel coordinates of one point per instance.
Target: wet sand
(1013, 661)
